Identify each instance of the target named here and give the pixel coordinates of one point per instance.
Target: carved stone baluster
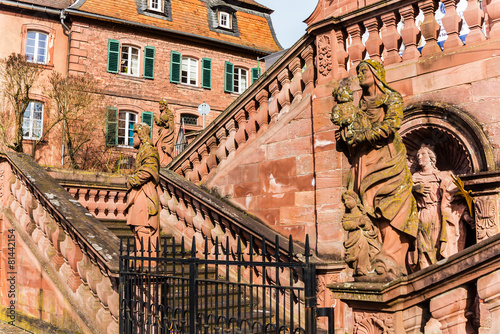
(251, 126)
(91, 203)
(241, 120)
(172, 207)
(231, 142)
(263, 112)
(284, 94)
(308, 70)
(429, 28)
(342, 55)
(221, 152)
(410, 32)
(474, 16)
(189, 213)
(391, 38)
(357, 50)
(194, 176)
(449, 309)
(374, 44)
(121, 204)
(452, 23)
(296, 83)
(488, 289)
(493, 9)
(203, 167)
(104, 291)
(180, 208)
(212, 157)
(273, 101)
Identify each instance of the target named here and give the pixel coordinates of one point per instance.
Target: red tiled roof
(57, 4)
(190, 16)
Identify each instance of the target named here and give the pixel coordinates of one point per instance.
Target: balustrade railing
(83, 253)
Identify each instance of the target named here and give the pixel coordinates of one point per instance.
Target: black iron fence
(232, 287)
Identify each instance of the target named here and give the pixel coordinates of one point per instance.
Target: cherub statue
(165, 142)
(362, 243)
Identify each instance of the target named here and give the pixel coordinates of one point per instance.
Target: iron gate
(229, 288)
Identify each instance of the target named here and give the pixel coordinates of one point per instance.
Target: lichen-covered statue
(442, 213)
(143, 203)
(362, 243)
(165, 142)
(379, 173)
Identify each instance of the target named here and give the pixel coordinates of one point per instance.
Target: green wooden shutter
(147, 117)
(111, 126)
(113, 55)
(175, 67)
(149, 62)
(228, 84)
(255, 73)
(206, 74)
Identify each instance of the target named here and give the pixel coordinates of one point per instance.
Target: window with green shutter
(111, 126)
(175, 67)
(149, 62)
(255, 73)
(147, 117)
(113, 56)
(228, 77)
(206, 74)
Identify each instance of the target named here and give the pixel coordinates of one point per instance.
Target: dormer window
(155, 5)
(225, 20)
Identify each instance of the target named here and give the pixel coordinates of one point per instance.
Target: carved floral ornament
(324, 55)
(373, 323)
(486, 225)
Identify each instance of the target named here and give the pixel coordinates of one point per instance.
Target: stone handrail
(380, 20)
(83, 253)
(275, 92)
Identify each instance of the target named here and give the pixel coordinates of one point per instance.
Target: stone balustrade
(279, 89)
(79, 250)
(378, 30)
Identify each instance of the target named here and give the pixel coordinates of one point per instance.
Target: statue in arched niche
(379, 173)
(165, 142)
(442, 212)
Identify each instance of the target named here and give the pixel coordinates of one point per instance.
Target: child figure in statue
(362, 243)
(347, 115)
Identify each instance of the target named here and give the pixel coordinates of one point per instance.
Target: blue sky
(287, 18)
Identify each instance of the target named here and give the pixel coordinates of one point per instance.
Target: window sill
(131, 77)
(189, 87)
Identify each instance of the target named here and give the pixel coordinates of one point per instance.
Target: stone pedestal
(449, 309)
(488, 289)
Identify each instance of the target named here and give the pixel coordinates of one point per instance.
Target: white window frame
(240, 75)
(155, 5)
(126, 123)
(225, 20)
(32, 123)
(129, 59)
(189, 71)
(39, 50)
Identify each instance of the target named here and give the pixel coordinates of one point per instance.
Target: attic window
(225, 20)
(155, 5)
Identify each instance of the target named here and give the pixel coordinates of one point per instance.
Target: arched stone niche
(458, 141)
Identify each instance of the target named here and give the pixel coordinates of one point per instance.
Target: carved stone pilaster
(449, 309)
(488, 289)
(325, 61)
(486, 217)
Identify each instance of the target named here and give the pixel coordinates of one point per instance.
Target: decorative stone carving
(486, 225)
(324, 55)
(165, 142)
(362, 244)
(380, 175)
(441, 215)
(143, 203)
(373, 323)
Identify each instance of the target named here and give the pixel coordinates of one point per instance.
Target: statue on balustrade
(143, 205)
(379, 173)
(442, 213)
(165, 142)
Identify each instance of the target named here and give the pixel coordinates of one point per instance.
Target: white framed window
(130, 60)
(189, 71)
(36, 47)
(240, 81)
(126, 121)
(33, 121)
(154, 5)
(224, 20)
